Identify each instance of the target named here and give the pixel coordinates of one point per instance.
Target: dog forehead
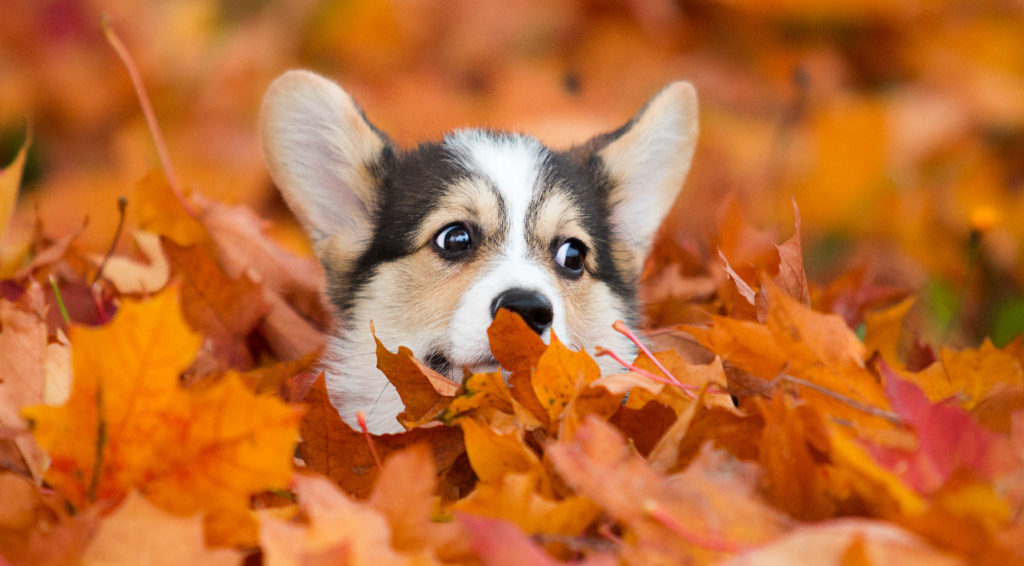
(510, 164)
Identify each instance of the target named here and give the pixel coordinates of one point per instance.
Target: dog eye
(453, 239)
(570, 256)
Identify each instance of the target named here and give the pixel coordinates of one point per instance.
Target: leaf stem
(873, 411)
(361, 417)
(686, 388)
(122, 203)
(658, 513)
(147, 112)
(60, 301)
(621, 327)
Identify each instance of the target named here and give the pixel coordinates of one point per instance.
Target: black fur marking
(590, 188)
(410, 185)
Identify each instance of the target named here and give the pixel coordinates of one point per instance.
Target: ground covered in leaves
(159, 323)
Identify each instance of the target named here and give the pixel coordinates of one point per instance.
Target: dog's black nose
(534, 307)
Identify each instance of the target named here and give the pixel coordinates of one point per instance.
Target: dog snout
(533, 306)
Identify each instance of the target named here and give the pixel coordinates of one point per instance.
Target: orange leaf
(424, 392)
(223, 431)
(968, 375)
(139, 533)
(129, 424)
(514, 344)
(493, 454)
(481, 392)
(518, 349)
(126, 376)
(515, 497)
(884, 329)
(36, 527)
(404, 495)
(791, 277)
(698, 514)
(561, 373)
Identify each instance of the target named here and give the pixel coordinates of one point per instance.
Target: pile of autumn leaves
(175, 440)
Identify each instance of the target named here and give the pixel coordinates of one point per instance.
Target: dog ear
(647, 160)
(320, 148)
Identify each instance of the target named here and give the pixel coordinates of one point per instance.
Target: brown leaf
(791, 277)
(225, 310)
(23, 368)
(424, 392)
(330, 447)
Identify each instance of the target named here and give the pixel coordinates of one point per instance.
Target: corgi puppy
(428, 243)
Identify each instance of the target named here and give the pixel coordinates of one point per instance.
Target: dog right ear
(320, 150)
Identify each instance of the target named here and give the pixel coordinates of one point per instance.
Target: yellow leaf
(493, 455)
(884, 329)
(10, 181)
(560, 373)
(515, 498)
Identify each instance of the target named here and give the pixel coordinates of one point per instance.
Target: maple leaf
(129, 424)
(331, 447)
(339, 530)
(139, 533)
(125, 375)
(404, 494)
(23, 367)
(515, 497)
(968, 375)
(493, 454)
(705, 513)
(949, 440)
(560, 374)
(225, 310)
(424, 392)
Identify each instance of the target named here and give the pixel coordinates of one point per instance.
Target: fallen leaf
(560, 374)
(424, 392)
(36, 528)
(126, 375)
(949, 439)
(501, 543)
(330, 446)
(135, 427)
(10, 182)
(829, 543)
(791, 277)
(139, 533)
(338, 529)
(23, 369)
(705, 514)
(132, 277)
(225, 310)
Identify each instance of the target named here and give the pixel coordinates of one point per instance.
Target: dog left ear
(647, 160)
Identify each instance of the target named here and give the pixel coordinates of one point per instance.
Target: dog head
(429, 243)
